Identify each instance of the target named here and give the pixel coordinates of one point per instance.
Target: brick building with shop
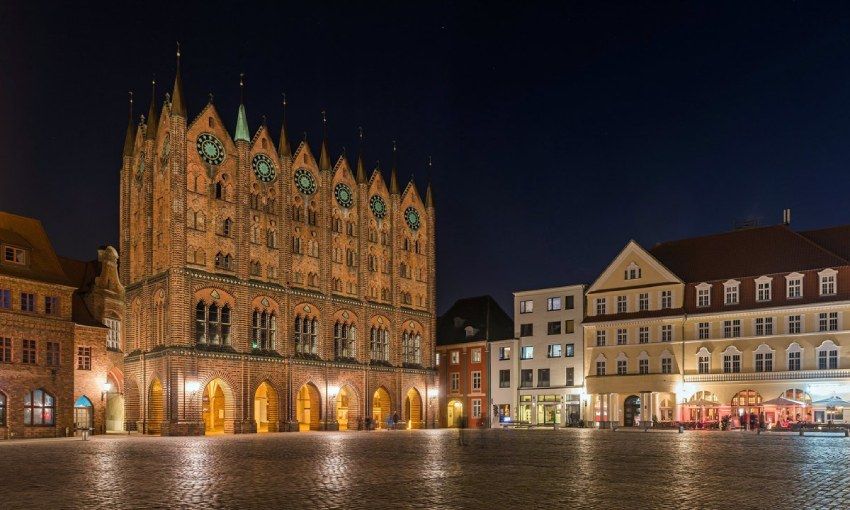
(268, 289)
(464, 334)
(60, 358)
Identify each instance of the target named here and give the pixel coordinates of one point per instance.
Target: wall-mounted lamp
(193, 386)
(333, 391)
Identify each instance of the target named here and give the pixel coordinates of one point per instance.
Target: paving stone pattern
(430, 469)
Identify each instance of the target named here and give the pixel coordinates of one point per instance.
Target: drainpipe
(682, 364)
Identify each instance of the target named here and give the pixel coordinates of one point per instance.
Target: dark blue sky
(558, 131)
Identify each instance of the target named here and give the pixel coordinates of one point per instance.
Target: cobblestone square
(430, 469)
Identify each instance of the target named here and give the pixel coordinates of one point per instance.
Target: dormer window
(794, 285)
(763, 290)
(730, 292)
(828, 282)
(14, 255)
(703, 295)
(632, 272)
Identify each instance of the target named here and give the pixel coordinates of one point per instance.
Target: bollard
(801, 432)
(681, 429)
(846, 432)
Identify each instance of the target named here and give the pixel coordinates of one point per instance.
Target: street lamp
(332, 392)
(190, 387)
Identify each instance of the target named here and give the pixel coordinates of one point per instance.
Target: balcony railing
(769, 376)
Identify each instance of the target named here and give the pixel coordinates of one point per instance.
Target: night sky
(557, 131)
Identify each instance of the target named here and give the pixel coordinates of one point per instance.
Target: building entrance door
(82, 414)
(631, 411)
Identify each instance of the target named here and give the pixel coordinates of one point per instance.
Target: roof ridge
(718, 234)
(819, 246)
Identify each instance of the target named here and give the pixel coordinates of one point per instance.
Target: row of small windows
(665, 299)
(526, 378)
(552, 304)
(826, 321)
(28, 353)
(665, 365)
(826, 355)
(27, 302)
(552, 328)
(527, 352)
(664, 332)
(39, 408)
(827, 286)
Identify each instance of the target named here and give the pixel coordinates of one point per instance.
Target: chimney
(786, 217)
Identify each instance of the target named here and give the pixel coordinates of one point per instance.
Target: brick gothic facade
(228, 244)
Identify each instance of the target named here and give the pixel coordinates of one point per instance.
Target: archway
(381, 407)
(114, 405)
(413, 409)
(343, 401)
(631, 411)
(156, 408)
(309, 408)
(266, 405)
(83, 414)
(454, 413)
(748, 409)
(214, 407)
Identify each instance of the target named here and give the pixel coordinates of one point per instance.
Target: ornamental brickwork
(261, 282)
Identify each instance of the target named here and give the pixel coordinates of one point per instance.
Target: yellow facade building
(744, 328)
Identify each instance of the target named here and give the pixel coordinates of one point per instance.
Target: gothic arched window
(212, 324)
(263, 330)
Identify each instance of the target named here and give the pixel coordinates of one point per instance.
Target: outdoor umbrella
(784, 402)
(833, 401)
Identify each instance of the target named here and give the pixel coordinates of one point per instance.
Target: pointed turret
(361, 168)
(394, 172)
(130, 137)
(285, 149)
(324, 155)
(178, 104)
(429, 195)
(242, 132)
(153, 116)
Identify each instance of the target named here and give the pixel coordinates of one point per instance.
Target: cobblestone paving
(430, 469)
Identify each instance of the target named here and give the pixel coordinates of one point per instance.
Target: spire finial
(361, 169)
(264, 119)
(283, 146)
(177, 104)
(211, 97)
(130, 137)
(394, 171)
(324, 154)
(153, 119)
(241, 88)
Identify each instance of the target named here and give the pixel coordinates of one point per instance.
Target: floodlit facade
(464, 335)
(269, 289)
(537, 376)
(744, 328)
(60, 337)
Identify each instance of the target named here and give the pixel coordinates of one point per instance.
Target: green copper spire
(130, 137)
(324, 156)
(178, 105)
(153, 116)
(242, 132)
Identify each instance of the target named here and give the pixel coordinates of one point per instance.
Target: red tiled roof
(750, 252)
(43, 264)
(834, 239)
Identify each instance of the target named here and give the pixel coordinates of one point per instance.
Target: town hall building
(267, 288)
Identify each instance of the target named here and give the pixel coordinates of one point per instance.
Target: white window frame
(828, 277)
(706, 354)
(632, 272)
(622, 304)
(553, 304)
(798, 322)
(526, 306)
(828, 346)
(622, 363)
(476, 355)
(703, 330)
(734, 355)
(476, 373)
(763, 350)
(794, 281)
(643, 363)
(601, 306)
(764, 289)
(666, 332)
(703, 295)
(643, 301)
(731, 289)
(794, 348)
(666, 297)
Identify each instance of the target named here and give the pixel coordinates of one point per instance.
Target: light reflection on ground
(431, 469)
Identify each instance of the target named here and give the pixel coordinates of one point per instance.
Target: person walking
(396, 419)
